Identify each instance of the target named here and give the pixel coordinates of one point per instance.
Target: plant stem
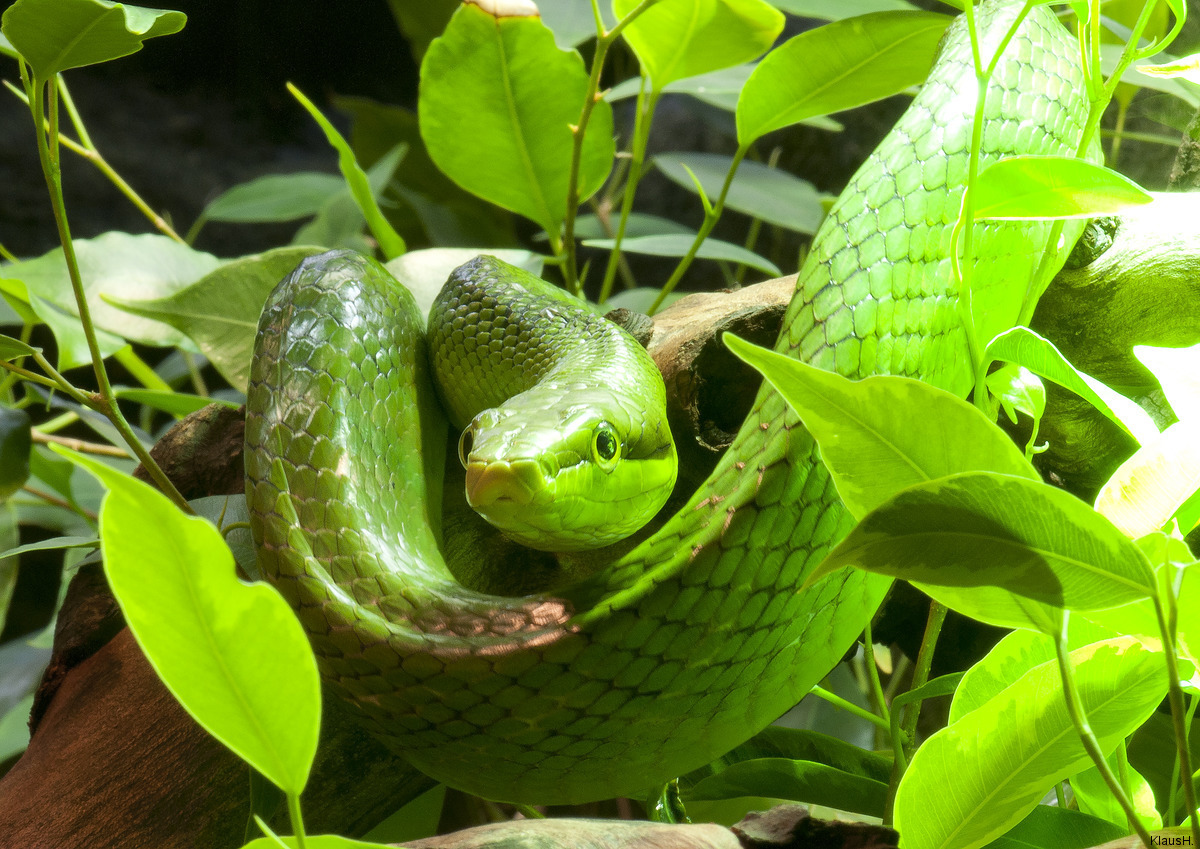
(646, 104)
(1166, 622)
(711, 216)
(104, 401)
(881, 703)
(933, 628)
(1090, 744)
(80, 445)
(297, 820)
(849, 706)
(604, 40)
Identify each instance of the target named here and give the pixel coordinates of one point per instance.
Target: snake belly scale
(697, 638)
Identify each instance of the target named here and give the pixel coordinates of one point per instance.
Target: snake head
(569, 479)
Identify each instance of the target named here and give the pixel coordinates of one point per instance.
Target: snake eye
(465, 443)
(606, 448)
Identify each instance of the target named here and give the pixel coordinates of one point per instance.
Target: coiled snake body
(697, 638)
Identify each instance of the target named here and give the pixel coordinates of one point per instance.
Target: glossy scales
(697, 638)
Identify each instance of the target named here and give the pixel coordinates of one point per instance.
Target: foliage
(960, 511)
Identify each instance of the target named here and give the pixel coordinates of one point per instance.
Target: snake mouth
(510, 483)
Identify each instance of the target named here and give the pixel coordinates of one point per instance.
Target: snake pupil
(465, 443)
(605, 444)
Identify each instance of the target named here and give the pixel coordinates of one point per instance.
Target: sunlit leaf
(497, 102)
(870, 431)
(1096, 799)
(986, 529)
(1150, 487)
(234, 654)
(838, 66)
(1177, 371)
(1022, 346)
(675, 39)
(1020, 188)
(977, 777)
(55, 35)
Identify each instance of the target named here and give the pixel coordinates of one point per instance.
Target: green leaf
(12, 349)
(55, 35)
(496, 106)
(424, 273)
(219, 312)
(1187, 67)
(315, 841)
(356, 178)
(838, 66)
(1150, 487)
(798, 744)
(1096, 799)
(1019, 391)
(112, 265)
(869, 431)
(638, 224)
(275, 197)
(679, 245)
(977, 777)
(15, 444)
(1022, 346)
(1022, 188)
(1049, 827)
(801, 781)
(1177, 371)
(676, 39)
(53, 544)
(14, 728)
(769, 194)
(10, 535)
(234, 654)
(826, 11)
(985, 529)
(1013, 656)
(178, 404)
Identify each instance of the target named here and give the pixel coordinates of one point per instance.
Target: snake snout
(513, 482)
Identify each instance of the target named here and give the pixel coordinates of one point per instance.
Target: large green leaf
(1022, 346)
(986, 529)
(769, 194)
(1177, 371)
(676, 39)
(1149, 488)
(55, 35)
(275, 197)
(234, 654)
(838, 66)
(219, 312)
(496, 106)
(977, 777)
(678, 244)
(1095, 798)
(800, 781)
(1020, 188)
(1047, 827)
(826, 11)
(113, 265)
(871, 434)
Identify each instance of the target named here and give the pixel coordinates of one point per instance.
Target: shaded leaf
(15, 444)
(774, 196)
(868, 434)
(503, 83)
(234, 654)
(679, 245)
(1021, 188)
(676, 39)
(56, 35)
(11, 349)
(219, 312)
(801, 781)
(1049, 827)
(987, 529)
(838, 66)
(275, 197)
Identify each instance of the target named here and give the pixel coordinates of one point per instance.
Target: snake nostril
(465, 443)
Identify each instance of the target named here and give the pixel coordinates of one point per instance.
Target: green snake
(696, 638)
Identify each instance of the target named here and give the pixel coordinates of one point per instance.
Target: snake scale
(696, 638)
